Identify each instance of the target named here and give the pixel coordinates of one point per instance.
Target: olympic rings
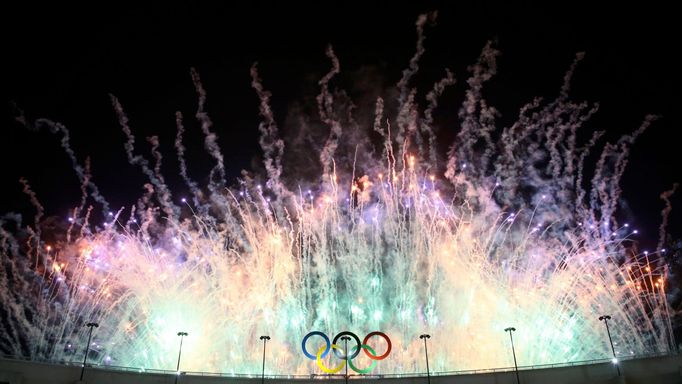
(371, 367)
(321, 364)
(326, 340)
(343, 354)
(373, 356)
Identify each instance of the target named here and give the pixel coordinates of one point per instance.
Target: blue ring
(326, 340)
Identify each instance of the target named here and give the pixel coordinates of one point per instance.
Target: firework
(398, 238)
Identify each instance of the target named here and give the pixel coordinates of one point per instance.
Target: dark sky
(62, 61)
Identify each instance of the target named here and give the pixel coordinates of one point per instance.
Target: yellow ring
(321, 364)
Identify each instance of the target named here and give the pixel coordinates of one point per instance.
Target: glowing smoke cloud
(508, 236)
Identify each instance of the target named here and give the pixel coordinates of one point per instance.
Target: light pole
(265, 340)
(90, 325)
(426, 352)
(345, 340)
(177, 369)
(606, 319)
(511, 338)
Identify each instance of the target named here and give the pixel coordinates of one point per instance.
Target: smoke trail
(55, 127)
(568, 76)
(560, 122)
(535, 158)
(217, 175)
(34, 241)
(154, 141)
(477, 120)
(163, 193)
(581, 192)
(562, 131)
(87, 175)
(180, 150)
(325, 104)
(427, 122)
(665, 213)
(378, 116)
(40, 211)
(146, 211)
(85, 230)
(8, 243)
(270, 142)
(407, 109)
(387, 150)
(408, 73)
(609, 169)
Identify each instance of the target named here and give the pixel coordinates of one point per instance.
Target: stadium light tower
(511, 338)
(605, 319)
(345, 340)
(426, 352)
(90, 325)
(262, 376)
(177, 369)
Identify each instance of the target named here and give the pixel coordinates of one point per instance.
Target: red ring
(388, 342)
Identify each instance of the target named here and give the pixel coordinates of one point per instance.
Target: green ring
(368, 369)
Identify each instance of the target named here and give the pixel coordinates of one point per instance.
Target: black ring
(357, 350)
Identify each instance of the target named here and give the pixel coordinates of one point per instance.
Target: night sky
(62, 61)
